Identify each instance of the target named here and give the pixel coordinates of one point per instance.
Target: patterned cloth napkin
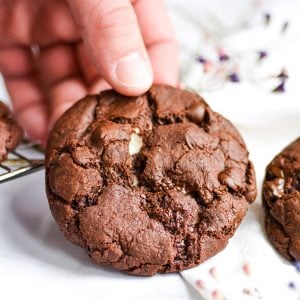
(247, 269)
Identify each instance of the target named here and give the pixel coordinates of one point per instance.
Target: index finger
(159, 38)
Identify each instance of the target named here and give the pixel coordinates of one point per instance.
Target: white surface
(35, 259)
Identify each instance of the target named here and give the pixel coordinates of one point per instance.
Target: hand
(54, 52)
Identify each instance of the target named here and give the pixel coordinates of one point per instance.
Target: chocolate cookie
(10, 132)
(281, 199)
(156, 183)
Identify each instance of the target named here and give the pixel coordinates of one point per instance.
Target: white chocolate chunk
(135, 144)
(137, 130)
(135, 181)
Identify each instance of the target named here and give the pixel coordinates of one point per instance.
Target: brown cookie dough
(281, 199)
(156, 183)
(10, 132)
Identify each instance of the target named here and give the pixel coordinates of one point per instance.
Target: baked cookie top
(155, 183)
(281, 199)
(10, 132)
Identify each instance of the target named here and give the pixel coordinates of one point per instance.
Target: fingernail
(133, 71)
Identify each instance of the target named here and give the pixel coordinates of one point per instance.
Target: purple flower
(280, 89)
(223, 57)
(201, 59)
(233, 77)
(267, 18)
(262, 54)
(292, 285)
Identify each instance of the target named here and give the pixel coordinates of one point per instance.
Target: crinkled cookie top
(155, 183)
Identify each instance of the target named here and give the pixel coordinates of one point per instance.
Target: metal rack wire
(26, 159)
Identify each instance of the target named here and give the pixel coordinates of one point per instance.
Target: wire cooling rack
(25, 159)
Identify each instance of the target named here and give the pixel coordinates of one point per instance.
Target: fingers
(17, 67)
(99, 86)
(160, 41)
(16, 21)
(55, 24)
(115, 34)
(60, 72)
(23, 22)
(29, 105)
(63, 95)
(16, 61)
(89, 71)
(58, 62)
(114, 41)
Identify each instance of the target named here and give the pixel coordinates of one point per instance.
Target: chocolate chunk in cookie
(155, 183)
(281, 199)
(10, 132)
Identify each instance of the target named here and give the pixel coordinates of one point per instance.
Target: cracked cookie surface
(10, 132)
(281, 200)
(155, 183)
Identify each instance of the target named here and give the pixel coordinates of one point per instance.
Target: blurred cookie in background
(281, 200)
(10, 132)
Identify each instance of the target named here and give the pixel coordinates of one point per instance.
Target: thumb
(111, 33)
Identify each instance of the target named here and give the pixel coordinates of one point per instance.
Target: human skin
(53, 53)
